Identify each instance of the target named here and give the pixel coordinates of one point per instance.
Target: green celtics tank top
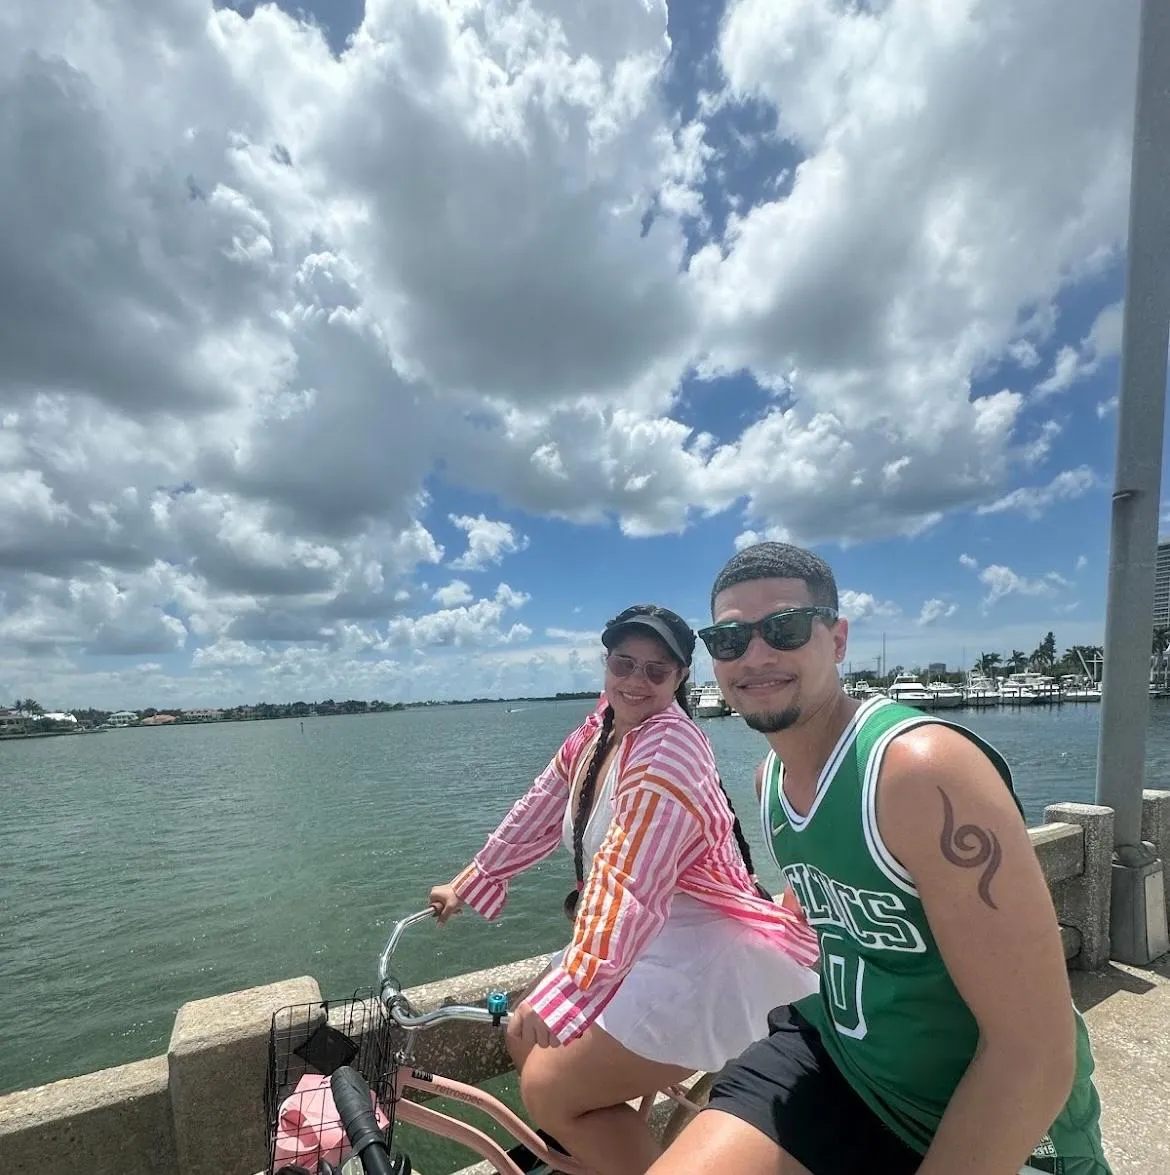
(887, 1010)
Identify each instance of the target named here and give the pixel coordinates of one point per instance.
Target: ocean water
(140, 869)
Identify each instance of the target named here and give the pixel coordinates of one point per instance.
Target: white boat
(944, 696)
(980, 691)
(1015, 693)
(1043, 688)
(1079, 689)
(710, 703)
(910, 692)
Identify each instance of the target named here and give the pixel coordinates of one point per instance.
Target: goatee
(773, 721)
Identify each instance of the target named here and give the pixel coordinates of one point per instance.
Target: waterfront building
(1162, 586)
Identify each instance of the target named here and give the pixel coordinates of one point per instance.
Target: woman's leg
(578, 1093)
(518, 1050)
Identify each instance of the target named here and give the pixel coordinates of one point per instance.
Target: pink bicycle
(351, 1045)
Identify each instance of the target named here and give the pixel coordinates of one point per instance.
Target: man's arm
(947, 816)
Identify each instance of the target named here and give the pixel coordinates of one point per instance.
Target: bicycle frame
(486, 1147)
(482, 1144)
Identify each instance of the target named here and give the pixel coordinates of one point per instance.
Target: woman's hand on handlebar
(446, 902)
(526, 1025)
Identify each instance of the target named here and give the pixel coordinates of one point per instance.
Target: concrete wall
(198, 1110)
(1156, 830)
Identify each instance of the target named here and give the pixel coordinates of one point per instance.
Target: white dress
(701, 990)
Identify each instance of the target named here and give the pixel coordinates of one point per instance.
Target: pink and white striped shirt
(670, 833)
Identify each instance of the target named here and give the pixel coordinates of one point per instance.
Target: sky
(388, 350)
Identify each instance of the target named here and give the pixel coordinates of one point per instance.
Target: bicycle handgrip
(351, 1096)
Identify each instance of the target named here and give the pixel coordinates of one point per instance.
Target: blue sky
(462, 329)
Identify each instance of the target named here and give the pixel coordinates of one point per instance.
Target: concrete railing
(198, 1110)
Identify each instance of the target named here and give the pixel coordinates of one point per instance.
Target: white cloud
(478, 623)
(1036, 450)
(573, 635)
(1073, 364)
(487, 542)
(1082, 563)
(456, 592)
(108, 614)
(1106, 407)
(1033, 501)
(1023, 352)
(773, 534)
(263, 303)
(934, 610)
(229, 654)
(1003, 581)
(859, 607)
(880, 369)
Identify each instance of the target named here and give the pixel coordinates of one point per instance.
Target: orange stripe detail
(675, 791)
(636, 837)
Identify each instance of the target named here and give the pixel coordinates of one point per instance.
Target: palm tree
(987, 663)
(1018, 661)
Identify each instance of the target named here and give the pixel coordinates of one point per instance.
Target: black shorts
(788, 1088)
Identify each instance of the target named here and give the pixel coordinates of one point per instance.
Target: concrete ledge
(1156, 830)
(216, 1064)
(1061, 849)
(1082, 899)
(1070, 939)
(105, 1123)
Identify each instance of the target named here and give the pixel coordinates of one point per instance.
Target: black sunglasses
(786, 630)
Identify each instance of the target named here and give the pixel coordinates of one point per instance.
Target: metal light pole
(1138, 914)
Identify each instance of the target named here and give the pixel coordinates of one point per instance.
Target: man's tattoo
(969, 847)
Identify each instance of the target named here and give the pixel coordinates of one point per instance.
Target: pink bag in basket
(309, 1127)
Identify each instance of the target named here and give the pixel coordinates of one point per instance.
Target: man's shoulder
(936, 766)
(925, 745)
(934, 750)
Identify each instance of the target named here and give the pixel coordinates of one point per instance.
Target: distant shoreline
(266, 712)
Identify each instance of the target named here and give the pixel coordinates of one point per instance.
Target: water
(143, 868)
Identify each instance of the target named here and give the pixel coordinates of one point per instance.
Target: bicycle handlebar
(351, 1096)
(384, 976)
(390, 993)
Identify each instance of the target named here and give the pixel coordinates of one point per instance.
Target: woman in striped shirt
(676, 956)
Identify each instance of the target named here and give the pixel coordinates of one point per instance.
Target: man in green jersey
(943, 1039)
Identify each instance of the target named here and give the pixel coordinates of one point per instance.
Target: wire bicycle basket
(307, 1043)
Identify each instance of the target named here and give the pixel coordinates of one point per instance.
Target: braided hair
(585, 809)
(685, 639)
(683, 698)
